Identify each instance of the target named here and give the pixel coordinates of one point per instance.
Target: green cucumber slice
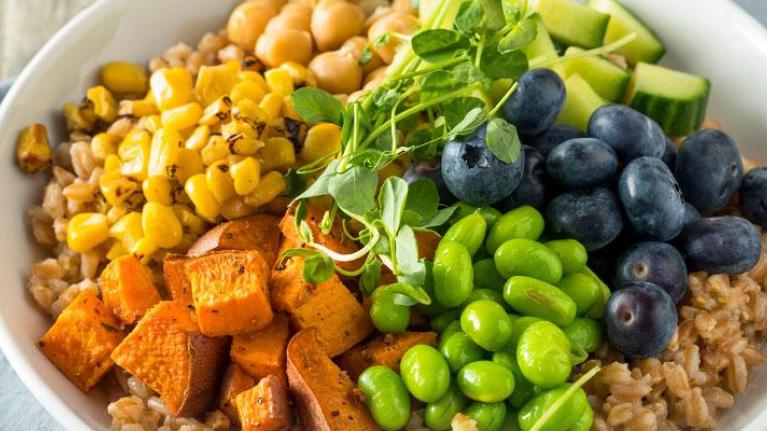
(573, 23)
(581, 102)
(541, 47)
(645, 48)
(676, 100)
(605, 77)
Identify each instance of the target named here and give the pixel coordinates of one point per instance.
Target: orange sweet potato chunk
(81, 340)
(324, 395)
(384, 350)
(230, 290)
(235, 381)
(262, 353)
(427, 243)
(127, 288)
(265, 407)
(168, 353)
(176, 280)
(257, 232)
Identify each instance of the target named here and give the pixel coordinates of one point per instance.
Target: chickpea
(355, 46)
(396, 22)
(281, 45)
(404, 6)
(297, 16)
(335, 21)
(374, 78)
(248, 20)
(336, 72)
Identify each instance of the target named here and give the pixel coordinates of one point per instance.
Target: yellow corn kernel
(247, 90)
(158, 189)
(112, 163)
(248, 110)
(278, 154)
(182, 117)
(171, 87)
(216, 149)
(134, 154)
(33, 153)
(124, 78)
(198, 138)
(242, 138)
(102, 145)
(137, 108)
(233, 158)
(299, 74)
(144, 250)
(253, 76)
(163, 157)
(153, 123)
(116, 188)
(189, 163)
(270, 186)
(77, 118)
(279, 81)
(219, 181)
(322, 140)
(189, 220)
(236, 208)
(217, 112)
(161, 225)
(205, 203)
(116, 213)
(128, 230)
(271, 105)
(86, 230)
(104, 105)
(289, 109)
(216, 81)
(116, 250)
(246, 175)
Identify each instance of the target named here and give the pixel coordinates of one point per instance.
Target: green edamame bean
(523, 222)
(490, 214)
(485, 381)
(486, 276)
(489, 416)
(469, 231)
(588, 334)
(523, 389)
(438, 415)
(511, 423)
(459, 350)
(388, 316)
(585, 422)
(453, 327)
(487, 324)
(543, 355)
(598, 310)
(565, 416)
(490, 295)
(425, 373)
(583, 289)
(386, 397)
(453, 273)
(522, 256)
(537, 298)
(428, 286)
(441, 321)
(571, 253)
(519, 325)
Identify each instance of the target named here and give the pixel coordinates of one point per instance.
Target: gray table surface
(18, 409)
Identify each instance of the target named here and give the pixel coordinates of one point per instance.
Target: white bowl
(709, 37)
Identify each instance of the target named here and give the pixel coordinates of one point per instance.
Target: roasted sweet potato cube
(265, 407)
(127, 288)
(324, 395)
(81, 340)
(427, 242)
(262, 353)
(167, 351)
(230, 290)
(384, 350)
(235, 381)
(176, 280)
(257, 232)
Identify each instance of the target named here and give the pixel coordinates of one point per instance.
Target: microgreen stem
(503, 100)
(480, 48)
(602, 50)
(435, 66)
(538, 425)
(352, 147)
(338, 257)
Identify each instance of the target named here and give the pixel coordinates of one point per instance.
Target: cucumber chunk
(605, 77)
(676, 100)
(541, 48)
(645, 48)
(581, 102)
(573, 23)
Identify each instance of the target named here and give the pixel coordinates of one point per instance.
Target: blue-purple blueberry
(581, 163)
(591, 216)
(726, 244)
(537, 101)
(630, 133)
(655, 262)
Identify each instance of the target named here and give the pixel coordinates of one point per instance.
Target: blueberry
(641, 319)
(669, 154)
(549, 139)
(630, 133)
(709, 170)
(537, 101)
(474, 175)
(725, 244)
(652, 199)
(655, 262)
(532, 190)
(581, 163)
(592, 217)
(430, 169)
(753, 196)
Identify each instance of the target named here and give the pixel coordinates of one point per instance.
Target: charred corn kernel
(153, 123)
(112, 163)
(277, 154)
(189, 163)
(216, 81)
(163, 157)
(279, 81)
(116, 250)
(271, 105)
(233, 158)
(144, 250)
(171, 87)
(270, 186)
(216, 149)
(253, 76)
(246, 90)
(116, 188)
(33, 153)
(242, 138)
(322, 140)
(77, 118)
(158, 189)
(182, 117)
(288, 108)
(189, 220)
(104, 105)
(137, 108)
(248, 110)
(161, 225)
(87, 230)
(204, 202)
(128, 230)
(102, 145)
(124, 78)
(217, 112)
(219, 181)
(236, 208)
(134, 154)
(299, 74)
(246, 175)
(198, 138)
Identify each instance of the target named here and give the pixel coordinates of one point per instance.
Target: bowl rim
(80, 24)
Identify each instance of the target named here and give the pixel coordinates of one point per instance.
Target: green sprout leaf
(318, 268)
(466, 112)
(316, 106)
(494, 15)
(320, 186)
(391, 200)
(520, 36)
(442, 217)
(354, 190)
(437, 83)
(370, 277)
(438, 44)
(470, 17)
(422, 201)
(498, 65)
(405, 294)
(503, 140)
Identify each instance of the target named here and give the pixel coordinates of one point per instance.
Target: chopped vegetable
(127, 288)
(33, 153)
(265, 407)
(384, 350)
(176, 278)
(234, 382)
(257, 232)
(262, 353)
